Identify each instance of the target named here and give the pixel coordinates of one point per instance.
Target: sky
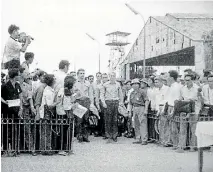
(59, 27)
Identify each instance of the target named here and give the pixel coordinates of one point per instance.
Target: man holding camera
(13, 48)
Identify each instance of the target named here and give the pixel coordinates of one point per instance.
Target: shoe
(174, 148)
(47, 153)
(109, 141)
(179, 150)
(137, 142)
(80, 139)
(34, 154)
(63, 153)
(86, 140)
(144, 143)
(119, 135)
(115, 139)
(165, 145)
(192, 150)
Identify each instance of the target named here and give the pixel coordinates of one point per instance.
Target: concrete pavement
(123, 156)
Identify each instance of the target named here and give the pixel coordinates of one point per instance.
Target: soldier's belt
(137, 105)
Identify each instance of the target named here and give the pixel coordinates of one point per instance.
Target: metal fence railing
(178, 131)
(29, 135)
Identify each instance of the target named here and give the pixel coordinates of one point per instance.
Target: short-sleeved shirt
(174, 93)
(207, 94)
(38, 94)
(138, 97)
(26, 93)
(85, 89)
(189, 93)
(65, 102)
(12, 50)
(26, 67)
(59, 80)
(111, 91)
(47, 99)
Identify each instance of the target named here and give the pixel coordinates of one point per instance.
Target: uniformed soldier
(139, 106)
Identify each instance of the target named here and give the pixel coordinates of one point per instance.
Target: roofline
(165, 25)
(174, 29)
(125, 33)
(171, 14)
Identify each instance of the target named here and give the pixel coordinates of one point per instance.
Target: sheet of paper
(80, 111)
(13, 103)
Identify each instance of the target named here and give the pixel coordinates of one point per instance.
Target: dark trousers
(10, 130)
(64, 132)
(46, 129)
(101, 122)
(82, 123)
(111, 119)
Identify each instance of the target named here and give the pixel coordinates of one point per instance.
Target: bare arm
(102, 95)
(24, 47)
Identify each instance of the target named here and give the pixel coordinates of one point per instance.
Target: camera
(23, 37)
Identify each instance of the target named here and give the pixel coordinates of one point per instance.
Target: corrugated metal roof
(189, 24)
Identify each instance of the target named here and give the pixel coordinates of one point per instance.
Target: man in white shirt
(161, 100)
(207, 94)
(174, 93)
(13, 48)
(61, 74)
(189, 97)
(85, 99)
(29, 57)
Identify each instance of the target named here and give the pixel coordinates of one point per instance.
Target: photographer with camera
(13, 48)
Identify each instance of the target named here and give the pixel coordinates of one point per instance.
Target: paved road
(97, 156)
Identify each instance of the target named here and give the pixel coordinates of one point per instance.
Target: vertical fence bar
(45, 133)
(24, 134)
(40, 144)
(13, 136)
(7, 133)
(19, 131)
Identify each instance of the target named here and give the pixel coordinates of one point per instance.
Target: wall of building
(159, 40)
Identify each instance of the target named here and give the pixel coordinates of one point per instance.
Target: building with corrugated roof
(177, 40)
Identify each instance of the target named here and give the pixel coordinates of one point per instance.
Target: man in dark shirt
(11, 91)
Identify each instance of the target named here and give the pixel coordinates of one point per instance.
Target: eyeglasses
(187, 80)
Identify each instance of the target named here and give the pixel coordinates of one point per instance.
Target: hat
(127, 81)
(144, 80)
(120, 80)
(135, 81)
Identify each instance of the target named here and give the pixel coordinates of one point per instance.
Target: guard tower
(117, 41)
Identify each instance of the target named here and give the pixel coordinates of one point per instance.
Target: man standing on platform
(85, 99)
(111, 96)
(13, 48)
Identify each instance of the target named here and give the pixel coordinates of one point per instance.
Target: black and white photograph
(106, 86)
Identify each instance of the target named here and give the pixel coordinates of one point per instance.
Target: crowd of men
(123, 106)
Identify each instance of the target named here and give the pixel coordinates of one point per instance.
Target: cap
(127, 81)
(135, 81)
(144, 80)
